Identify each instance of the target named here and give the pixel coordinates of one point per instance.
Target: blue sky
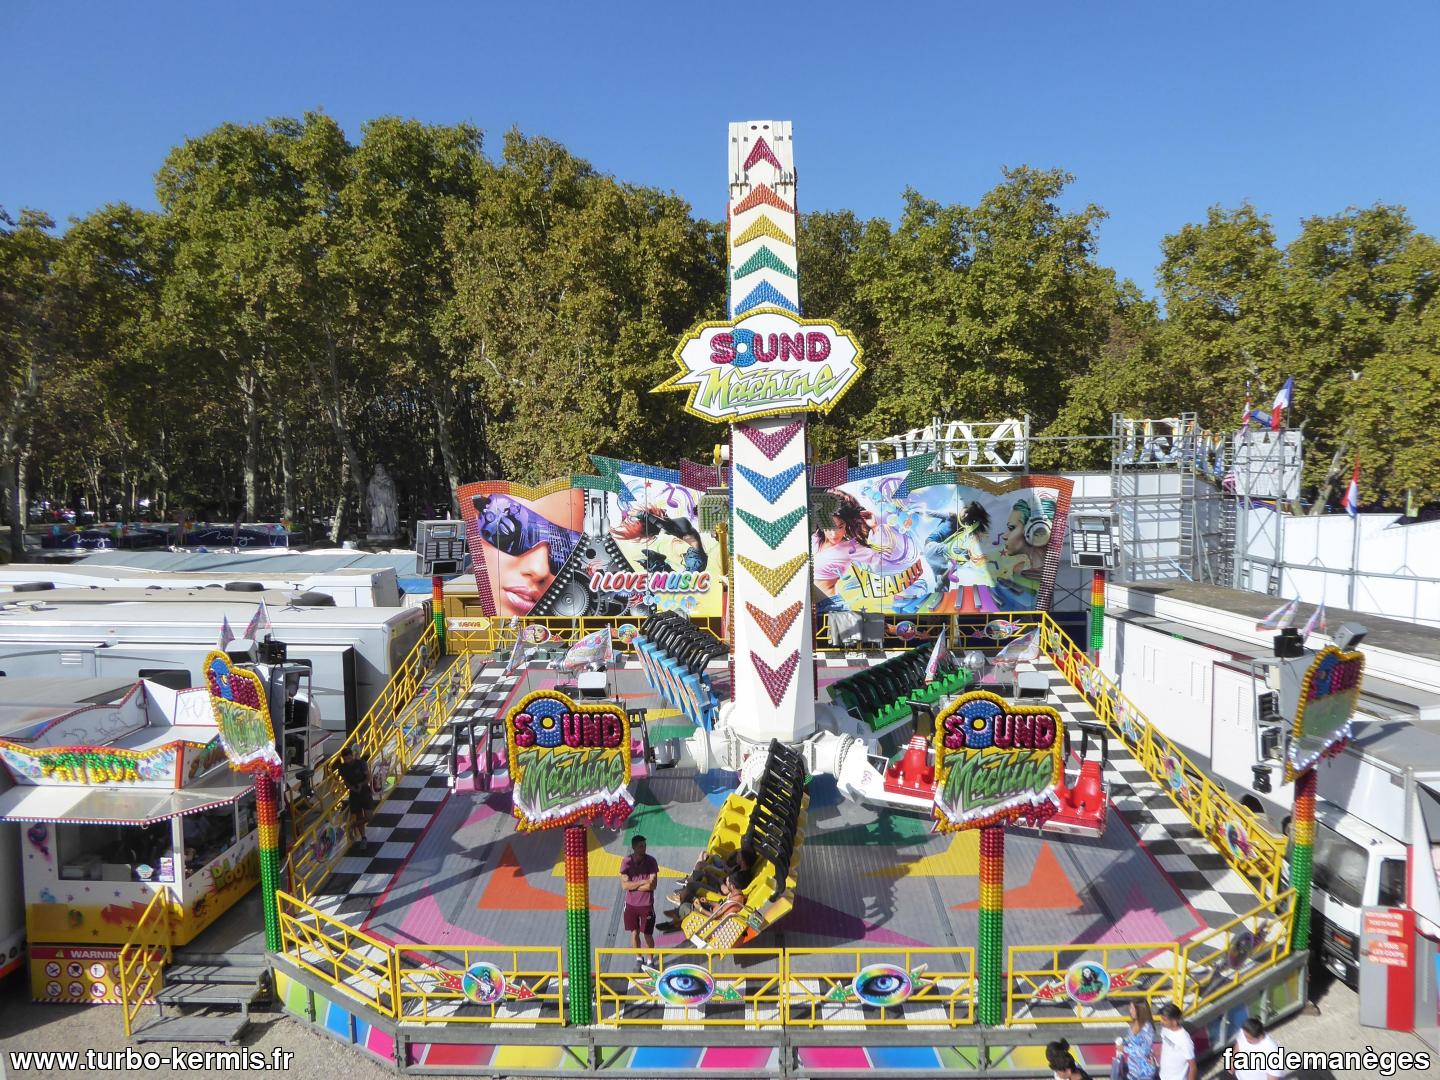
(1160, 109)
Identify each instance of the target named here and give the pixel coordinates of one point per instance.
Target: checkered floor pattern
(1198, 871)
(396, 826)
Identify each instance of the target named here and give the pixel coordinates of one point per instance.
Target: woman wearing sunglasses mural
(523, 543)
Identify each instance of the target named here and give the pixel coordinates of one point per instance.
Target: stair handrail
(376, 732)
(1209, 808)
(144, 955)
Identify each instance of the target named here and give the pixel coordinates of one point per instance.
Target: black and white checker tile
(1197, 869)
(398, 823)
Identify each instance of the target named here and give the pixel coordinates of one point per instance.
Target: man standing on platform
(638, 874)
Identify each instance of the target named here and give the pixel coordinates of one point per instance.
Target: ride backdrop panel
(904, 540)
(625, 542)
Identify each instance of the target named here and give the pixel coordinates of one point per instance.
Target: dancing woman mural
(967, 580)
(645, 524)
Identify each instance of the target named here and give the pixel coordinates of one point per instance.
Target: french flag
(1283, 400)
(1351, 502)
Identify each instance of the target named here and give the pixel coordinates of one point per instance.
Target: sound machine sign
(767, 363)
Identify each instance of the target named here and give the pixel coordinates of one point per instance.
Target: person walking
(1135, 1054)
(638, 874)
(1254, 1039)
(355, 775)
(1177, 1049)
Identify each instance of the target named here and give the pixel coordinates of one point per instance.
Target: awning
(116, 805)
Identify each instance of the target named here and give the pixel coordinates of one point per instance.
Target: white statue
(384, 512)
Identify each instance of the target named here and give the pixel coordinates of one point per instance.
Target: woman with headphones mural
(1020, 567)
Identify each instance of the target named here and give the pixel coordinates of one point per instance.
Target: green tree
(29, 348)
(1226, 319)
(571, 292)
(983, 311)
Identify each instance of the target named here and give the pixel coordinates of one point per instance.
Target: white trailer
(1190, 658)
(353, 651)
(347, 586)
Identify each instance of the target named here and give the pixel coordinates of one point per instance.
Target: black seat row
(779, 800)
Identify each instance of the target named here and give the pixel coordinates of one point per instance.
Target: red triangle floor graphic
(1048, 889)
(508, 890)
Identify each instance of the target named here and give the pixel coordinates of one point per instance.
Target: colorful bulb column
(580, 990)
(1097, 614)
(990, 976)
(267, 820)
(437, 607)
(1302, 857)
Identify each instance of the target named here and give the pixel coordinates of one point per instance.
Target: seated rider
(731, 902)
(737, 868)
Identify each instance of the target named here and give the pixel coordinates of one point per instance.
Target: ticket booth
(115, 803)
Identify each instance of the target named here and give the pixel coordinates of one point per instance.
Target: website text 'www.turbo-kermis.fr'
(175, 1060)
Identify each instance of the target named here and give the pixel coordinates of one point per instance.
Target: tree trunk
(250, 391)
(336, 525)
(288, 499)
(442, 399)
(334, 412)
(19, 509)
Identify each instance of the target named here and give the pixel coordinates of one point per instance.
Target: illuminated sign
(242, 714)
(767, 363)
(87, 765)
(1329, 693)
(994, 761)
(569, 763)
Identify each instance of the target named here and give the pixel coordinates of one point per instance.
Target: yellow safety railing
(433, 987)
(1252, 851)
(1221, 959)
(748, 988)
(819, 987)
(144, 956)
(1137, 972)
(490, 634)
(391, 735)
(359, 966)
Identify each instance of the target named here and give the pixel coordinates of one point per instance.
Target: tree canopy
(303, 308)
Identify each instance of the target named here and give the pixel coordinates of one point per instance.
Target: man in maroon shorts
(638, 874)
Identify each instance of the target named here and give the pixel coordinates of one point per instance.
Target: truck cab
(1356, 866)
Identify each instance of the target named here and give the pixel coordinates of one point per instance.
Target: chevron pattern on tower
(771, 487)
(772, 532)
(774, 578)
(770, 443)
(775, 626)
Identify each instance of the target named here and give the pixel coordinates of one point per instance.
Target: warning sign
(1389, 953)
(1388, 922)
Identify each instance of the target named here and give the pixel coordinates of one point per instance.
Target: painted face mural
(518, 544)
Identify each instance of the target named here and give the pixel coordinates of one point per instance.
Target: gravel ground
(27, 1025)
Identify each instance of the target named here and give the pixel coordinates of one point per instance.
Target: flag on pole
(226, 634)
(590, 649)
(517, 655)
(1351, 502)
(258, 622)
(1245, 414)
(932, 669)
(1316, 623)
(1283, 400)
(1280, 618)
